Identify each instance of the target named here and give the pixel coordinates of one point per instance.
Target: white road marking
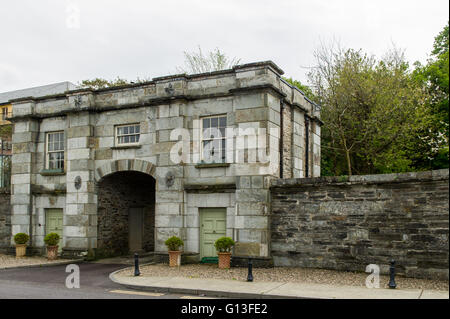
(194, 297)
(140, 293)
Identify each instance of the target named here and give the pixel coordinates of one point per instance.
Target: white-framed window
(128, 134)
(55, 150)
(213, 146)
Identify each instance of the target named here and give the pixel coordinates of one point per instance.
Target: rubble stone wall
(5, 218)
(347, 223)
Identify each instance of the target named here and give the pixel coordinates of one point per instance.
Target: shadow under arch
(125, 208)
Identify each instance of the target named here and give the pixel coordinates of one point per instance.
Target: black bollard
(136, 265)
(250, 275)
(392, 283)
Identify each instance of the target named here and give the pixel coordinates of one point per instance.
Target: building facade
(5, 124)
(121, 169)
(50, 89)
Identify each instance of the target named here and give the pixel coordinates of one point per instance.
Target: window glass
(127, 134)
(55, 150)
(214, 138)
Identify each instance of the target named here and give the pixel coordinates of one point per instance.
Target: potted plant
(51, 240)
(173, 244)
(21, 240)
(223, 246)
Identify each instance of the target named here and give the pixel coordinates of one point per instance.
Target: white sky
(41, 44)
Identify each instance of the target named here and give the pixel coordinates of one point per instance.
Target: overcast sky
(44, 42)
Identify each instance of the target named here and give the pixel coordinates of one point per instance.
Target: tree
(100, 83)
(197, 62)
(371, 108)
(6, 131)
(434, 78)
(304, 88)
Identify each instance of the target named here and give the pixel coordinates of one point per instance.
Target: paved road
(49, 283)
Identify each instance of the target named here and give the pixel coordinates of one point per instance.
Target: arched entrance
(126, 213)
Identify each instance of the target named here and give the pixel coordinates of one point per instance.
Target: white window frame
(117, 136)
(48, 152)
(224, 137)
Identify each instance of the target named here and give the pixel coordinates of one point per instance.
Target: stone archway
(125, 165)
(125, 208)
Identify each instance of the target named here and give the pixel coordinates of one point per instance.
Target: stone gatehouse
(98, 166)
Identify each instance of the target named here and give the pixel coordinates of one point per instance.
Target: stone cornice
(87, 100)
(150, 102)
(262, 87)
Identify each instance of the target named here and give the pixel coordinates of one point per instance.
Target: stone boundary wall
(5, 219)
(346, 223)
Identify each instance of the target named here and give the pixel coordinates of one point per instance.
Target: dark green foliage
(21, 238)
(432, 151)
(380, 116)
(224, 244)
(99, 83)
(6, 131)
(51, 239)
(174, 243)
(304, 88)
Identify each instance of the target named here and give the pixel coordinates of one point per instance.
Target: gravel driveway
(8, 261)
(283, 274)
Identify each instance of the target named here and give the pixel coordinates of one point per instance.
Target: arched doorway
(126, 213)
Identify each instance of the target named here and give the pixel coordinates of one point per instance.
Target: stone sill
(126, 147)
(226, 188)
(212, 165)
(52, 172)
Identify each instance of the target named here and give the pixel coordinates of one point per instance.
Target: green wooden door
(213, 224)
(54, 223)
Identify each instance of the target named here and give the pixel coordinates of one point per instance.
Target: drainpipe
(281, 137)
(306, 146)
(33, 163)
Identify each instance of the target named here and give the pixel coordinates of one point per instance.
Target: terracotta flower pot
(21, 250)
(174, 258)
(52, 252)
(224, 260)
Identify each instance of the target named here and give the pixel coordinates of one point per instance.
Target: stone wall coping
(442, 174)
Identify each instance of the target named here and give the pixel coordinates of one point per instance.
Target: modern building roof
(37, 91)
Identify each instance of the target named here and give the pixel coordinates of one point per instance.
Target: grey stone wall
(348, 223)
(5, 219)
